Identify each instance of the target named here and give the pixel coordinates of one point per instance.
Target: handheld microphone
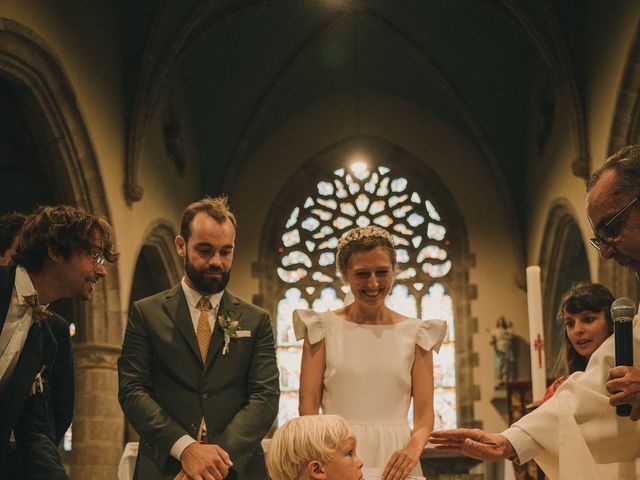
(622, 311)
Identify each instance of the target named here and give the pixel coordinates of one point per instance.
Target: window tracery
(359, 196)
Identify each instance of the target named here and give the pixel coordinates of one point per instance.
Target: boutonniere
(230, 328)
(38, 312)
(38, 383)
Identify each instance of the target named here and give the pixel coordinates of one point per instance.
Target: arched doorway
(158, 268)
(564, 262)
(40, 90)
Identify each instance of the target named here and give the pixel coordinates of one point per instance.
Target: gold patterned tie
(203, 332)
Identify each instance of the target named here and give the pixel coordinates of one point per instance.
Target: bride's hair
(363, 239)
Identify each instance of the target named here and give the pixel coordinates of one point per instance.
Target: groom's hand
(205, 462)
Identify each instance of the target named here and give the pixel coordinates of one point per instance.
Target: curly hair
(64, 229)
(10, 226)
(591, 297)
(363, 239)
(216, 207)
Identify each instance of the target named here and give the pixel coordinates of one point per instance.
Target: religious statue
(503, 343)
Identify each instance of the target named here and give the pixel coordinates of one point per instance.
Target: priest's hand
(623, 386)
(204, 462)
(473, 443)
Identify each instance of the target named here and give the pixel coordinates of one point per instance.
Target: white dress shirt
(16, 326)
(193, 297)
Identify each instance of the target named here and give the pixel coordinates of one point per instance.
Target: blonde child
(314, 447)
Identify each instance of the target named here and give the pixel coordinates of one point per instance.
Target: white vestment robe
(576, 433)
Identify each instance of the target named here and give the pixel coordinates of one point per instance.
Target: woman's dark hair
(591, 297)
(64, 229)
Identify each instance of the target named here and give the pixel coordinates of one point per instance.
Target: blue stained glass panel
(326, 258)
(328, 300)
(291, 276)
(396, 199)
(363, 221)
(444, 406)
(435, 232)
(310, 224)
(325, 188)
(322, 214)
(444, 366)
(293, 218)
(291, 238)
(399, 184)
(288, 407)
(348, 209)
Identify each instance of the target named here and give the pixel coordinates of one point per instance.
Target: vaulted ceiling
(247, 66)
(243, 67)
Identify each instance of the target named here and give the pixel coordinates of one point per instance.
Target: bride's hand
(401, 463)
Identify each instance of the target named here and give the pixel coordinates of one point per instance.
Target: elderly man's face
(602, 206)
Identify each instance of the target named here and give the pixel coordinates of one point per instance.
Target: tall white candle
(536, 332)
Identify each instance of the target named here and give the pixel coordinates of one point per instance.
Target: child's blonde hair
(303, 439)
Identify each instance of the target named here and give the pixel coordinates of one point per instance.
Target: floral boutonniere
(38, 383)
(230, 328)
(38, 312)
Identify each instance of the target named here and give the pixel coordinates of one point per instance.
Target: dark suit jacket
(35, 455)
(61, 385)
(165, 389)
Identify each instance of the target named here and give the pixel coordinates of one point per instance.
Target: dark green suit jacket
(165, 389)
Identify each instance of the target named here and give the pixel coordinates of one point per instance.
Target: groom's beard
(203, 283)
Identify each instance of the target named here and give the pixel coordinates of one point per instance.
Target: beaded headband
(360, 233)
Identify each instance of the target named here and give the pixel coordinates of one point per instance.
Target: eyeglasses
(97, 257)
(610, 230)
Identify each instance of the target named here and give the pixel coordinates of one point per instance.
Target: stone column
(98, 422)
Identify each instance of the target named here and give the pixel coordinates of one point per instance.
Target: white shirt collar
(193, 296)
(24, 286)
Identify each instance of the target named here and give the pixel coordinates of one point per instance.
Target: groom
(198, 374)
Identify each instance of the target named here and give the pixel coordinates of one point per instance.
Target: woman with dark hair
(585, 312)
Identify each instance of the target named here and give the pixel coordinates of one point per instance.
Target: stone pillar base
(98, 422)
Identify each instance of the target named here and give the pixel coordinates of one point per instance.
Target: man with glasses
(613, 213)
(576, 433)
(61, 254)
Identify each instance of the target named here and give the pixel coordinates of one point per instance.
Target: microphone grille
(623, 309)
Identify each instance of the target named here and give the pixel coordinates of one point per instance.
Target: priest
(577, 434)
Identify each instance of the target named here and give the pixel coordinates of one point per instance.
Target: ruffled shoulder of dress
(310, 323)
(430, 334)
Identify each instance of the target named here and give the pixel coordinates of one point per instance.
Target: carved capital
(95, 355)
(133, 192)
(581, 167)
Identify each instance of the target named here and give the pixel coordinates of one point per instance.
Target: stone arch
(158, 267)
(625, 130)
(415, 169)
(564, 261)
(158, 251)
(52, 110)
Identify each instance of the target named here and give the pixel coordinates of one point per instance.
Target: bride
(366, 362)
